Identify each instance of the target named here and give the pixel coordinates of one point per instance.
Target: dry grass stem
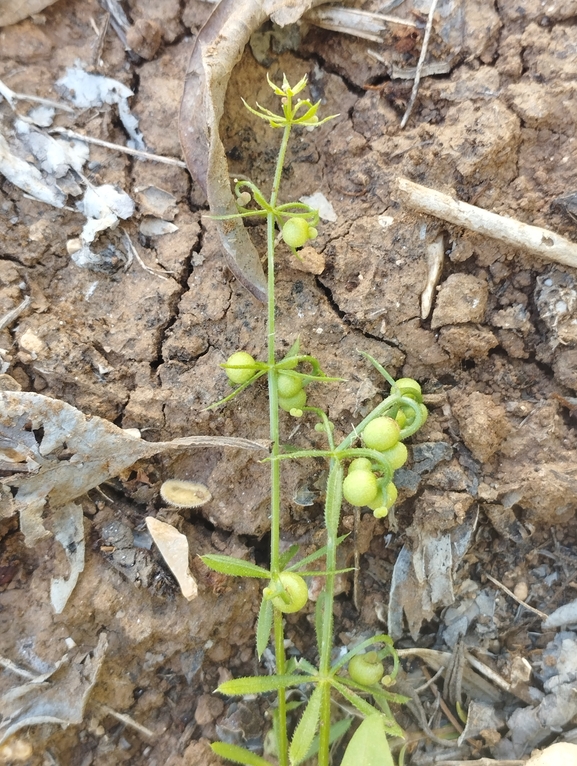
(420, 64)
(119, 148)
(504, 588)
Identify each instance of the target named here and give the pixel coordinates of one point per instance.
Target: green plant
(369, 481)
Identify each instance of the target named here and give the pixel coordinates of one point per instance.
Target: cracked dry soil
(497, 358)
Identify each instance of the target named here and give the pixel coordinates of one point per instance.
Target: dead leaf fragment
(217, 48)
(173, 546)
(98, 450)
(56, 697)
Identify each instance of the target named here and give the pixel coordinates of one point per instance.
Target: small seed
(184, 494)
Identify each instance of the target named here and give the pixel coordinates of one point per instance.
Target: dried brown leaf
(95, 450)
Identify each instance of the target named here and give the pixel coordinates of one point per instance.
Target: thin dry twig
(484, 762)
(11, 96)
(128, 721)
(14, 313)
(119, 148)
(489, 673)
(541, 242)
(504, 588)
(353, 21)
(432, 679)
(443, 705)
(420, 64)
(134, 253)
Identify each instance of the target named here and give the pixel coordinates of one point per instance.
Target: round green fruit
(296, 593)
(410, 387)
(397, 456)
(360, 487)
(360, 464)
(384, 500)
(366, 668)
(297, 402)
(288, 385)
(240, 367)
(381, 434)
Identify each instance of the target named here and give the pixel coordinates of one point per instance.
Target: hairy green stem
(275, 439)
(332, 514)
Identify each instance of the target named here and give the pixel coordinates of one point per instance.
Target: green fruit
(381, 434)
(239, 367)
(297, 231)
(288, 385)
(401, 418)
(397, 456)
(295, 592)
(409, 387)
(360, 487)
(366, 668)
(360, 464)
(424, 413)
(384, 500)
(296, 402)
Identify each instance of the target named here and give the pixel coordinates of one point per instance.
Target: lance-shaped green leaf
(334, 497)
(399, 699)
(361, 705)
(258, 684)
(287, 556)
(306, 728)
(263, 626)
(369, 745)
(232, 566)
(238, 754)
(313, 556)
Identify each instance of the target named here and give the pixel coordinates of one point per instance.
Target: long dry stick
(541, 242)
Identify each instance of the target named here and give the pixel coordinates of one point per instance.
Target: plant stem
(332, 515)
(275, 439)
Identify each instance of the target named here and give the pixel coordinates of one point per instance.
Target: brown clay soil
(497, 357)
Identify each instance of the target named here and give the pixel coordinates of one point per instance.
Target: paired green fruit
(296, 402)
(297, 231)
(289, 384)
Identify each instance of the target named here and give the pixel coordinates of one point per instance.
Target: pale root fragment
(544, 243)
(173, 547)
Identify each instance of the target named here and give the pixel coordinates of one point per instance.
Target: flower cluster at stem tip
(363, 486)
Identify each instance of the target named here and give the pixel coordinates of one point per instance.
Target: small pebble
(521, 590)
